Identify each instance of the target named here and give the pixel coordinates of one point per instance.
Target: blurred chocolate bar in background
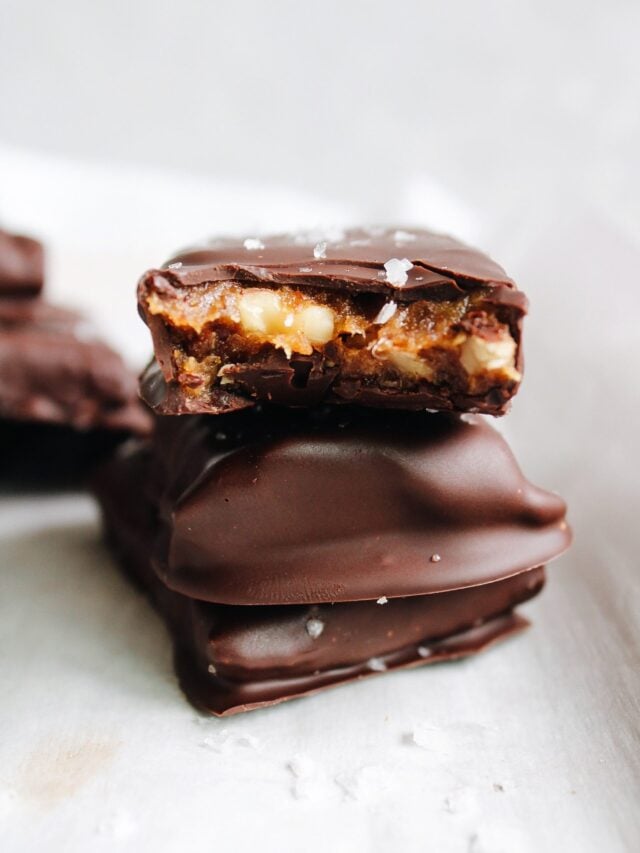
(65, 396)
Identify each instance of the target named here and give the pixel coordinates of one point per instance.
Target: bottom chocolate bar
(232, 658)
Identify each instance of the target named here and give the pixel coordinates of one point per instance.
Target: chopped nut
(409, 363)
(478, 355)
(261, 311)
(316, 323)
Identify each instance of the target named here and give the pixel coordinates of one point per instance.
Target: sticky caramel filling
(366, 336)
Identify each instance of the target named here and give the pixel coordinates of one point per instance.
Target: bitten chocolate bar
(234, 658)
(381, 317)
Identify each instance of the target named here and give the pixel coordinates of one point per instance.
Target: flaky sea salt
(306, 269)
(403, 237)
(175, 266)
(396, 270)
(315, 627)
(385, 313)
(320, 250)
(435, 558)
(424, 652)
(252, 244)
(211, 669)
(376, 664)
(382, 600)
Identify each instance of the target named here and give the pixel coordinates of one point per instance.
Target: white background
(127, 129)
(497, 99)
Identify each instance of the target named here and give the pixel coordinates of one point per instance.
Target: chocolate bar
(232, 658)
(273, 506)
(21, 265)
(54, 370)
(381, 317)
(65, 397)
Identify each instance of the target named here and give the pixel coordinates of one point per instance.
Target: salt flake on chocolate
(176, 266)
(320, 250)
(385, 313)
(396, 271)
(382, 600)
(377, 664)
(315, 627)
(252, 244)
(403, 237)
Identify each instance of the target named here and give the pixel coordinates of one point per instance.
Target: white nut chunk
(409, 363)
(266, 313)
(261, 311)
(478, 355)
(316, 323)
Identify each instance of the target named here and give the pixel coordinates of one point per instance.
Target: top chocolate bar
(21, 265)
(379, 317)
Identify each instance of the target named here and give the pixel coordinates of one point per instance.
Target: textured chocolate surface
(21, 265)
(233, 658)
(442, 265)
(341, 504)
(350, 262)
(54, 370)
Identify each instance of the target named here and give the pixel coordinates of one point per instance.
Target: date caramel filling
(368, 337)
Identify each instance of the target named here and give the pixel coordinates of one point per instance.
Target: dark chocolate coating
(233, 658)
(52, 371)
(333, 504)
(442, 265)
(21, 265)
(443, 268)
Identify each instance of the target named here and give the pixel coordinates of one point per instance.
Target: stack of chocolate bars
(65, 396)
(320, 501)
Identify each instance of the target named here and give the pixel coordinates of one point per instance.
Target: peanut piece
(316, 323)
(261, 311)
(478, 355)
(409, 363)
